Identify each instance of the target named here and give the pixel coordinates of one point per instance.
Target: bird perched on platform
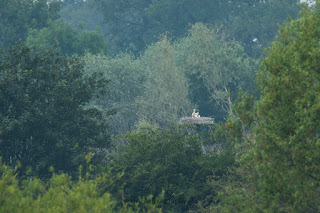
(195, 114)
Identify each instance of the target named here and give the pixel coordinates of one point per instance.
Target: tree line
(89, 123)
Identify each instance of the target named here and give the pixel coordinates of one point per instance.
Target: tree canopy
(45, 120)
(288, 125)
(127, 77)
(119, 96)
(172, 160)
(18, 16)
(216, 69)
(280, 161)
(133, 25)
(63, 37)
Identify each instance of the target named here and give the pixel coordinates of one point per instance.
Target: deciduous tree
(165, 96)
(216, 69)
(69, 41)
(18, 16)
(44, 118)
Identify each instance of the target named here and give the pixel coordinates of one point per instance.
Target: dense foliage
(165, 98)
(288, 125)
(126, 83)
(133, 25)
(60, 194)
(117, 95)
(18, 16)
(171, 160)
(66, 39)
(169, 79)
(44, 117)
(282, 154)
(216, 70)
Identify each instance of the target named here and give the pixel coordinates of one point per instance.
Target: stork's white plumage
(194, 113)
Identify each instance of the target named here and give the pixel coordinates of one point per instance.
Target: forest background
(92, 93)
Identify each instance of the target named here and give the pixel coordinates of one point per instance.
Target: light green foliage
(44, 120)
(127, 77)
(165, 91)
(59, 194)
(171, 160)
(66, 39)
(169, 79)
(216, 70)
(150, 88)
(18, 16)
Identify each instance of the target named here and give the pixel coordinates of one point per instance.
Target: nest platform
(201, 120)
